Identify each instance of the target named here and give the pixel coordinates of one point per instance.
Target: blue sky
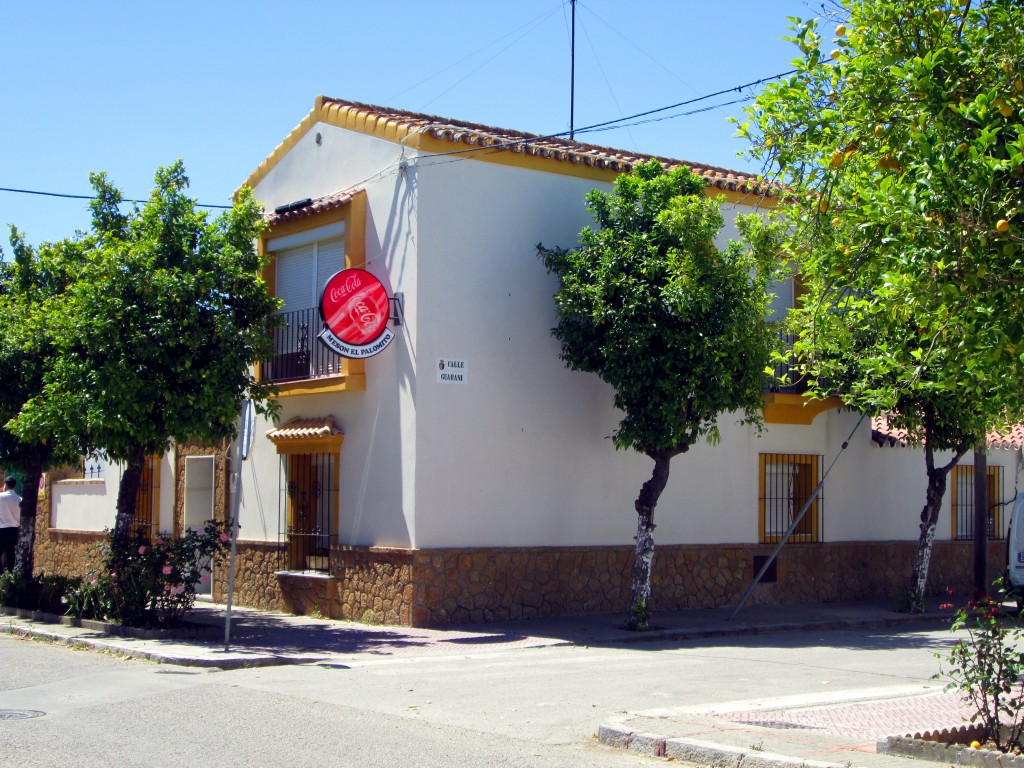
(127, 87)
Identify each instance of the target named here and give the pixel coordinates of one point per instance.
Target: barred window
(787, 481)
(961, 497)
(308, 509)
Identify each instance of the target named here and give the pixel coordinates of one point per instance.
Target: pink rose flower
(224, 537)
(142, 550)
(167, 587)
(178, 590)
(167, 570)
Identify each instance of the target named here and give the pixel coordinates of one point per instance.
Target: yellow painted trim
(786, 408)
(353, 213)
(813, 512)
(281, 149)
(336, 515)
(155, 520)
(330, 444)
(341, 116)
(353, 381)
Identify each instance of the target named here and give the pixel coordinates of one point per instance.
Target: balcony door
(302, 272)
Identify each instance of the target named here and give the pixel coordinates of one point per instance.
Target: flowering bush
(148, 584)
(986, 668)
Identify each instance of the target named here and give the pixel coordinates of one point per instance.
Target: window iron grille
(962, 502)
(788, 481)
(307, 511)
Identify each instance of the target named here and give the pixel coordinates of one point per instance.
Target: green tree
(903, 152)
(33, 277)
(675, 326)
(155, 339)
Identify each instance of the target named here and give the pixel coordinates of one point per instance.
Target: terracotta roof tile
(303, 208)
(883, 433)
(303, 429)
(474, 135)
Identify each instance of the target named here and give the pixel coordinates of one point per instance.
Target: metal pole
(793, 525)
(247, 423)
(981, 584)
(235, 494)
(572, 76)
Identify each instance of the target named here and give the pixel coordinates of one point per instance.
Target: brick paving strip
(866, 719)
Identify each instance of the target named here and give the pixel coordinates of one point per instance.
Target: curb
(742, 630)
(950, 753)
(698, 752)
(235, 662)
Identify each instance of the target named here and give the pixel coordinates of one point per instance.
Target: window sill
(353, 382)
(304, 575)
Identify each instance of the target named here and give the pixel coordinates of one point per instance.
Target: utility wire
(88, 197)
(607, 125)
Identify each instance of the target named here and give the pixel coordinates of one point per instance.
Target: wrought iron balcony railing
(297, 353)
(788, 378)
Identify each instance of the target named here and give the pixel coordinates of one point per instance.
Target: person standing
(10, 517)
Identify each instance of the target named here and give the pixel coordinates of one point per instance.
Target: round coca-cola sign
(355, 312)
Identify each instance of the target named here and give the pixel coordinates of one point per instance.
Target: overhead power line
(607, 125)
(623, 122)
(88, 197)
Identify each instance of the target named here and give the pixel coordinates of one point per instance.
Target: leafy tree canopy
(648, 303)
(903, 149)
(155, 337)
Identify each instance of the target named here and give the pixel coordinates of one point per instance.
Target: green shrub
(986, 667)
(36, 593)
(147, 584)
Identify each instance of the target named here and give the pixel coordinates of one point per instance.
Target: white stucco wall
(377, 469)
(521, 455)
(85, 505)
(91, 505)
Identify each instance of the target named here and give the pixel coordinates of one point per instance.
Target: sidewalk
(260, 638)
(787, 735)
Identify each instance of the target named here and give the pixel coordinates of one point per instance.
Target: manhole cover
(780, 724)
(19, 714)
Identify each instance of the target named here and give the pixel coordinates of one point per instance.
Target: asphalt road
(522, 707)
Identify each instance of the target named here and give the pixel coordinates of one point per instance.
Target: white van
(1015, 548)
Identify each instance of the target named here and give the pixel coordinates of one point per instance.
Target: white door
(199, 508)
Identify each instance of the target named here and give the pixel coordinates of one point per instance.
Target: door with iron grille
(308, 510)
(147, 516)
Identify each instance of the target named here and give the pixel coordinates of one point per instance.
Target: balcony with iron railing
(298, 356)
(786, 399)
(788, 378)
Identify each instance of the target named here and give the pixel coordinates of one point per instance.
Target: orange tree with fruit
(900, 139)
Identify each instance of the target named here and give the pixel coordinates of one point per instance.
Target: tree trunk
(929, 518)
(24, 561)
(128, 491)
(640, 587)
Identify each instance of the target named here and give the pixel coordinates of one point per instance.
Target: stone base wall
(382, 585)
(60, 552)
